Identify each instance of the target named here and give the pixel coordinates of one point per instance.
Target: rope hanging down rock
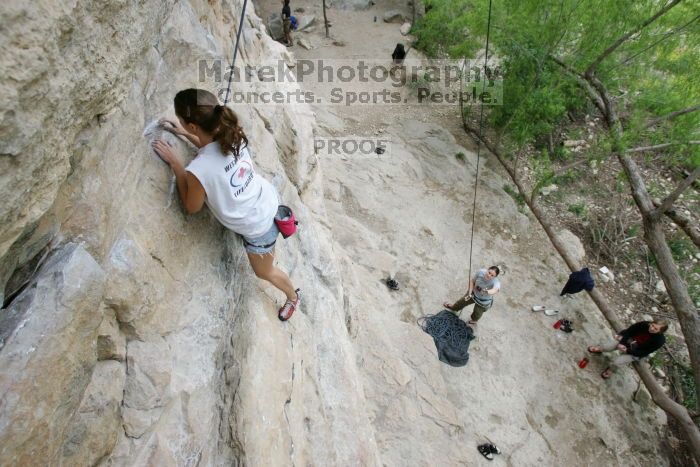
(478, 141)
(235, 51)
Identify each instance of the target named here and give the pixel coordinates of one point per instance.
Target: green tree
(634, 63)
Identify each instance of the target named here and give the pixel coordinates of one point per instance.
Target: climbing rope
(447, 327)
(478, 142)
(450, 334)
(235, 51)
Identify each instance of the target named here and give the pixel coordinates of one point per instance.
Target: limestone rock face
(47, 356)
(93, 431)
(149, 341)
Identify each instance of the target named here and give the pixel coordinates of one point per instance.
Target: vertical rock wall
(135, 334)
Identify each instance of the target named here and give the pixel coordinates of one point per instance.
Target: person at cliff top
(482, 287)
(222, 175)
(287, 23)
(634, 343)
(398, 55)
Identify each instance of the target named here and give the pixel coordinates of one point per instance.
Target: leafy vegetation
(631, 63)
(515, 195)
(652, 74)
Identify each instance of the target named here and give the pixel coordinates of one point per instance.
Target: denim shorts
(263, 244)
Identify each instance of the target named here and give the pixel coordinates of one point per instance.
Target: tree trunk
(325, 19)
(657, 393)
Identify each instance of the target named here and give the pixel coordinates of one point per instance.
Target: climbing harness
(235, 52)
(478, 142)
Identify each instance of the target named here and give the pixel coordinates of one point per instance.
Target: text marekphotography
(355, 82)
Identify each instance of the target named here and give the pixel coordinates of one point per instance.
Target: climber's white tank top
(240, 199)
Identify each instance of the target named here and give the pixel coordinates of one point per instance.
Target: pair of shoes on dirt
(289, 307)
(546, 311)
(606, 373)
(488, 450)
(392, 284)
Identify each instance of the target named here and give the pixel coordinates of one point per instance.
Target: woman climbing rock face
(223, 177)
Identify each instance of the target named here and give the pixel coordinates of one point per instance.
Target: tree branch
(685, 223)
(667, 203)
(672, 115)
(567, 167)
(670, 199)
(660, 146)
(591, 68)
(665, 36)
(585, 85)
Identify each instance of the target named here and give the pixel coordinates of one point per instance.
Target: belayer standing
(222, 175)
(287, 23)
(482, 287)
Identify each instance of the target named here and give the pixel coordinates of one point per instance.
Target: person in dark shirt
(634, 343)
(287, 23)
(397, 58)
(398, 54)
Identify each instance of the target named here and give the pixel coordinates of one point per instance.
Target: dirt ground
(409, 214)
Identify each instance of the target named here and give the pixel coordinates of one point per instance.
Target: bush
(578, 208)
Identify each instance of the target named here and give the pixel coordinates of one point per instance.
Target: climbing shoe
(289, 307)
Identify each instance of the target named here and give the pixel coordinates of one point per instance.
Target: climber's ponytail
(202, 108)
(229, 133)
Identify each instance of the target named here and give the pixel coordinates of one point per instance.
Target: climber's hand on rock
(621, 348)
(172, 126)
(165, 151)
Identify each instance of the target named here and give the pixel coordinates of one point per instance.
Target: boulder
(549, 189)
(393, 16)
(405, 29)
(572, 244)
(304, 22)
(302, 42)
(274, 26)
(48, 337)
(660, 287)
